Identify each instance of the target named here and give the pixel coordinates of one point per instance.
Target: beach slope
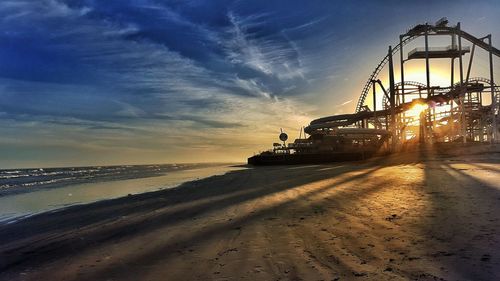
(418, 216)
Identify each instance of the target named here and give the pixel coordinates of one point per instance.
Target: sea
(25, 192)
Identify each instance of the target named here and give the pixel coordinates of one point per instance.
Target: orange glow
(415, 71)
(440, 74)
(416, 110)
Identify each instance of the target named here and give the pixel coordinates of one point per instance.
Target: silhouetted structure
(411, 112)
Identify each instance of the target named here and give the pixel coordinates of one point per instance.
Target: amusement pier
(395, 116)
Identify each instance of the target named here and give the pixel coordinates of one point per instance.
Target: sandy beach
(413, 216)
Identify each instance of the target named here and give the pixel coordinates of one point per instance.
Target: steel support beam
(493, 95)
(392, 94)
(427, 66)
(461, 97)
(401, 63)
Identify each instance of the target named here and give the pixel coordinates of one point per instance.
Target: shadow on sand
(48, 237)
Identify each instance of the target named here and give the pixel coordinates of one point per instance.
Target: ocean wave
(51, 177)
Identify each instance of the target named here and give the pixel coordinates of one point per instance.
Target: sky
(88, 82)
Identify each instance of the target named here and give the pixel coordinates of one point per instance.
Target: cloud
(93, 80)
(274, 55)
(254, 87)
(19, 9)
(163, 78)
(346, 102)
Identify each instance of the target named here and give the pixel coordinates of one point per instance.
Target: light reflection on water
(47, 199)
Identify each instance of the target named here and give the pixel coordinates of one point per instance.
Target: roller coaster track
(385, 102)
(482, 80)
(376, 72)
(348, 119)
(410, 36)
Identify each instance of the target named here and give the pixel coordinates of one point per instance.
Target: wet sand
(413, 216)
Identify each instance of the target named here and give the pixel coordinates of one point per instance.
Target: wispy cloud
(112, 81)
(161, 80)
(346, 102)
(271, 54)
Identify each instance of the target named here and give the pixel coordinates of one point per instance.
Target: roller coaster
(406, 114)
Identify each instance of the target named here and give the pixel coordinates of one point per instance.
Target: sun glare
(415, 110)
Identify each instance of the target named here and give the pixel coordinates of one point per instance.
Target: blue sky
(87, 82)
